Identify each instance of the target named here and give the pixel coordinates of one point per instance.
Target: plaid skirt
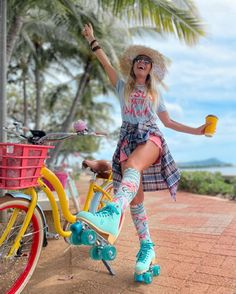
(161, 175)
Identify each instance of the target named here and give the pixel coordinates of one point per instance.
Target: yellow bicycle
(23, 227)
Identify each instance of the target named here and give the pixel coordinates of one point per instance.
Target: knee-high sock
(139, 217)
(128, 187)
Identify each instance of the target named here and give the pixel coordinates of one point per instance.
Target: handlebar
(39, 137)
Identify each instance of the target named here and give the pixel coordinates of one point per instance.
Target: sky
(201, 81)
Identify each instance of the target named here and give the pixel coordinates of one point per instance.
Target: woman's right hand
(87, 32)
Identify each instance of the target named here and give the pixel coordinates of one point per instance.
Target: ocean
(226, 170)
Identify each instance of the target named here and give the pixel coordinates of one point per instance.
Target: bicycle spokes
(16, 269)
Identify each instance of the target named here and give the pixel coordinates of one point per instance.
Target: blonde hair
(152, 88)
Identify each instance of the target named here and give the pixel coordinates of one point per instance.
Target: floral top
(139, 108)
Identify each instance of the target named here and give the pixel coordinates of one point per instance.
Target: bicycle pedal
(50, 235)
(147, 277)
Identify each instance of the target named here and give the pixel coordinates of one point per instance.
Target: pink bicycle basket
(62, 177)
(20, 165)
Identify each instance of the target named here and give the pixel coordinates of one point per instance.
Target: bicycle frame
(48, 175)
(94, 187)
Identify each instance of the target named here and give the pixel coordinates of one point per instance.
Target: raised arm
(87, 32)
(169, 123)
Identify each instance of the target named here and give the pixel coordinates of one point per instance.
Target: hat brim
(160, 62)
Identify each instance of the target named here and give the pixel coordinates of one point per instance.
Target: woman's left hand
(201, 130)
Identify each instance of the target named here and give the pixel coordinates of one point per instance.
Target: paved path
(195, 241)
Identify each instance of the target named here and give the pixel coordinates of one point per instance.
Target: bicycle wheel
(15, 271)
(99, 198)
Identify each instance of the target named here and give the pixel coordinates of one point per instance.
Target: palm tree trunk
(38, 96)
(12, 35)
(82, 85)
(3, 111)
(71, 115)
(25, 101)
(3, 33)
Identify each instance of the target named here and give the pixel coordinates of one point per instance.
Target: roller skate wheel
(138, 278)
(88, 237)
(95, 253)
(109, 252)
(156, 270)
(76, 228)
(147, 277)
(75, 239)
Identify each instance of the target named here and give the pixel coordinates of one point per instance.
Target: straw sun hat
(159, 62)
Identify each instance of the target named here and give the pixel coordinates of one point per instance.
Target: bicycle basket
(20, 165)
(62, 177)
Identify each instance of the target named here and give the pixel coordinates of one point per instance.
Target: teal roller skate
(106, 225)
(145, 269)
(107, 222)
(81, 234)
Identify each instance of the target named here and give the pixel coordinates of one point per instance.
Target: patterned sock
(139, 217)
(128, 188)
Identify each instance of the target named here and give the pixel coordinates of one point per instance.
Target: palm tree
(92, 74)
(32, 59)
(64, 49)
(179, 17)
(19, 12)
(3, 30)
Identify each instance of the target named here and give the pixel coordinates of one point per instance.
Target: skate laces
(108, 210)
(144, 252)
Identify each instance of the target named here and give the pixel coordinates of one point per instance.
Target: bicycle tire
(99, 198)
(16, 271)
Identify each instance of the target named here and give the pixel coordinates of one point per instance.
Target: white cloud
(206, 72)
(219, 16)
(174, 109)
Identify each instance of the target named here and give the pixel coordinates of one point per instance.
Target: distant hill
(211, 162)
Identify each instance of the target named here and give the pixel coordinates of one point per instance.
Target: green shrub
(207, 183)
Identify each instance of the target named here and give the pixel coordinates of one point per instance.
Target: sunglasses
(144, 59)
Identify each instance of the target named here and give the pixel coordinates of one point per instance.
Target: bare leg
(143, 156)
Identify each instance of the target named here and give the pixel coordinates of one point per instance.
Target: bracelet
(96, 48)
(91, 44)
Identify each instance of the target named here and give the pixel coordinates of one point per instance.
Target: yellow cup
(211, 128)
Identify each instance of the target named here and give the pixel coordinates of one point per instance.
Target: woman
(142, 161)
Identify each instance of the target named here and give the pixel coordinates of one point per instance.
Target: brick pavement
(195, 241)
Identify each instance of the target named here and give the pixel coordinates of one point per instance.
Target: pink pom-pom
(79, 126)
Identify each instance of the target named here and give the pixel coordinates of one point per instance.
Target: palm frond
(180, 18)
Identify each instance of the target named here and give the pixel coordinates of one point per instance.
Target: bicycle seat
(101, 167)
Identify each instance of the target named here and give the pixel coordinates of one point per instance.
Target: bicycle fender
(27, 197)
